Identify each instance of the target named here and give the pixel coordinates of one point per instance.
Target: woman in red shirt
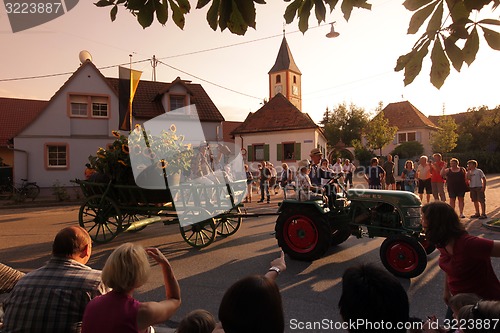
(465, 259)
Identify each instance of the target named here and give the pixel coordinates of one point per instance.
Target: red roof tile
(227, 128)
(147, 99)
(16, 114)
(279, 114)
(406, 116)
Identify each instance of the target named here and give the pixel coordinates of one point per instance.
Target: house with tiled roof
(412, 125)
(279, 131)
(15, 115)
(80, 118)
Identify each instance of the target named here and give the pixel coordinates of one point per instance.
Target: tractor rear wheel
(303, 234)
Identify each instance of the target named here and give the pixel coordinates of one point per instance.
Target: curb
(489, 224)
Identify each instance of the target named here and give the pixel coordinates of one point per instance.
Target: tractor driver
(315, 169)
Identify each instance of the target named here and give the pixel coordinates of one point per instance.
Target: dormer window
(177, 101)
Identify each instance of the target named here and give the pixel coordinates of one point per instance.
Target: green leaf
(419, 18)
(320, 10)
(403, 60)
(475, 4)
(247, 10)
(454, 53)
(346, 7)
(177, 14)
(413, 5)
(492, 38)
(457, 10)
(202, 3)
(291, 9)
(145, 16)
(184, 6)
(440, 68)
(414, 65)
(113, 13)
(162, 12)
(304, 13)
(236, 23)
(137, 4)
(213, 14)
(225, 10)
(471, 47)
(489, 21)
(332, 4)
(103, 3)
(435, 22)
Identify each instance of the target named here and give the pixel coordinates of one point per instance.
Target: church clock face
(295, 90)
(278, 89)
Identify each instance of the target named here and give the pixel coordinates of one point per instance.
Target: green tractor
(305, 230)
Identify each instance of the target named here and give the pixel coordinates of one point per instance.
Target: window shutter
(266, 152)
(297, 151)
(418, 137)
(279, 152)
(250, 153)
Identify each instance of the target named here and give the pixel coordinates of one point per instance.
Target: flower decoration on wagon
(162, 155)
(143, 158)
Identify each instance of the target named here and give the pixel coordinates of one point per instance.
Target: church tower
(285, 77)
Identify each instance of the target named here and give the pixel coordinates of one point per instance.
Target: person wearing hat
(89, 171)
(315, 169)
(305, 189)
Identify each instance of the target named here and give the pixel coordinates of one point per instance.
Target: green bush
(408, 149)
(487, 161)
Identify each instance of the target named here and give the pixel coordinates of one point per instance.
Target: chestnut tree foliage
(448, 27)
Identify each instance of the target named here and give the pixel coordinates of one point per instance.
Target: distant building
(412, 125)
(80, 117)
(279, 131)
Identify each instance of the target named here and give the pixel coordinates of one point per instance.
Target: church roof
(279, 114)
(284, 60)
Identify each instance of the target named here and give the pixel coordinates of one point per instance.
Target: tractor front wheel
(403, 256)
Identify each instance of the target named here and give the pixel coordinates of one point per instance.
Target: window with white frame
(177, 101)
(79, 106)
(57, 156)
(258, 151)
(407, 136)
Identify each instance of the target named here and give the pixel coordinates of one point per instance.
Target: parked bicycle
(26, 190)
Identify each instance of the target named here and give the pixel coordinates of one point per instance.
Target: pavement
(474, 226)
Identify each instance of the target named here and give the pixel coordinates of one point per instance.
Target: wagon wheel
(403, 256)
(101, 217)
(129, 218)
(303, 235)
(229, 223)
(197, 227)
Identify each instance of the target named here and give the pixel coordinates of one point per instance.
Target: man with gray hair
(53, 297)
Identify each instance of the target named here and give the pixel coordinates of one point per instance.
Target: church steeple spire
(285, 76)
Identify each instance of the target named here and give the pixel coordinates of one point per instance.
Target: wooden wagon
(202, 211)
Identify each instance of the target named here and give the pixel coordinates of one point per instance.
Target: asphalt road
(310, 291)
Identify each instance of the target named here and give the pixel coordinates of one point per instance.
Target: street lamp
(332, 33)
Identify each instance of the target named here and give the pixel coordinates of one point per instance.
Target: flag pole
(130, 96)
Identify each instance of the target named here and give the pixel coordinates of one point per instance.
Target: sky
(357, 67)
